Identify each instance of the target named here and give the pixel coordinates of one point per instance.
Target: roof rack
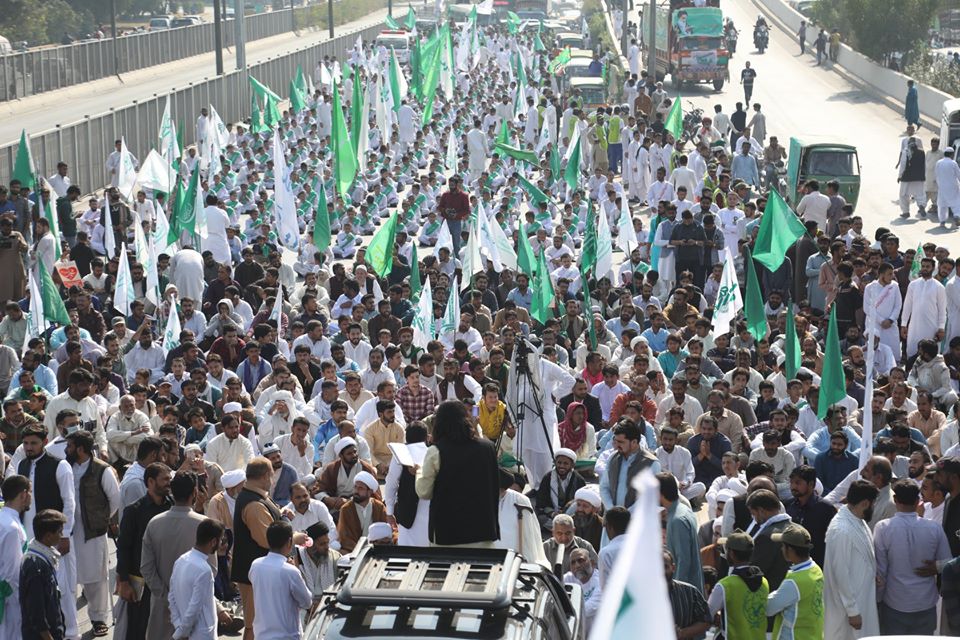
(444, 577)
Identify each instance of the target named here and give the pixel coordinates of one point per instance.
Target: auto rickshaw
(822, 159)
(950, 124)
(592, 92)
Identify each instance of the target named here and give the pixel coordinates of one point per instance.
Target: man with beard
(335, 482)
(456, 385)
(557, 489)
(303, 512)
(924, 311)
(583, 573)
(809, 510)
(284, 475)
(586, 520)
(230, 449)
(690, 614)
(134, 610)
(98, 499)
(564, 534)
(360, 511)
(318, 563)
(126, 429)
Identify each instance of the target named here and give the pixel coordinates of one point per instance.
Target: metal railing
(84, 145)
(37, 71)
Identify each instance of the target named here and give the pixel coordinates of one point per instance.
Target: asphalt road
(42, 112)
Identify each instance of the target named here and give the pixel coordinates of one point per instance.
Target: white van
(399, 41)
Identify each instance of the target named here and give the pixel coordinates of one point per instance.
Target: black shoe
(100, 629)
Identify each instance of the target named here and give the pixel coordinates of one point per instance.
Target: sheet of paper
(402, 454)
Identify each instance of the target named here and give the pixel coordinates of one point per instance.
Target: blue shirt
(656, 339)
(744, 167)
(325, 432)
(521, 299)
(618, 327)
(43, 376)
(831, 471)
(819, 441)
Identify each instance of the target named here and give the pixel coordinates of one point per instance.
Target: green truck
(689, 43)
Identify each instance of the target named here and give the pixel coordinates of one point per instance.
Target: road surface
(42, 112)
(800, 98)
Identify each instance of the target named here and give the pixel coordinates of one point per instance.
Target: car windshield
(830, 162)
(592, 95)
(396, 43)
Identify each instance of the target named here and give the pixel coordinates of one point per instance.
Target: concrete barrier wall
(887, 84)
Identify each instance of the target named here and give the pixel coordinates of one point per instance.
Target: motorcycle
(761, 38)
(732, 41)
(773, 177)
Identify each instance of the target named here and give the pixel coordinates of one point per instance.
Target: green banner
(698, 22)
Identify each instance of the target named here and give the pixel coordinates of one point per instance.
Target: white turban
(563, 451)
(367, 478)
(232, 407)
(588, 495)
(724, 495)
(379, 531)
(343, 443)
(233, 478)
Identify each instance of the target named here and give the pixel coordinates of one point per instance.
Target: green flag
(779, 229)
(915, 265)
(753, 305)
(588, 253)
(271, 114)
(543, 294)
(184, 217)
(301, 81)
(344, 157)
(791, 346)
(588, 312)
(504, 136)
(555, 161)
(518, 154)
(538, 44)
(833, 386)
(674, 122)
(432, 77)
(572, 173)
(533, 192)
(415, 284)
(526, 262)
(416, 73)
(560, 61)
(53, 307)
(380, 250)
(395, 79)
(472, 17)
(391, 23)
(356, 111)
(411, 20)
(23, 168)
(256, 118)
(513, 22)
(297, 102)
(321, 223)
(262, 90)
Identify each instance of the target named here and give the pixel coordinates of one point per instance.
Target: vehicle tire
(718, 84)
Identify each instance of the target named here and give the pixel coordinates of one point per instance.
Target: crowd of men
(234, 465)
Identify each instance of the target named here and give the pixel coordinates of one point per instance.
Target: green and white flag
(52, 305)
(451, 315)
(508, 256)
(156, 173)
(398, 83)
(572, 172)
(674, 122)
(917, 260)
(382, 244)
(635, 596)
(36, 322)
(729, 299)
(626, 237)
(126, 173)
(109, 237)
(123, 294)
(422, 322)
(344, 158)
(472, 260)
(321, 223)
(604, 247)
(451, 158)
(168, 145)
(24, 169)
(276, 314)
(145, 256)
(171, 334)
(384, 105)
(363, 137)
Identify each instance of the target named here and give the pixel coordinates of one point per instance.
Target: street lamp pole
(113, 27)
(218, 35)
(330, 17)
(240, 34)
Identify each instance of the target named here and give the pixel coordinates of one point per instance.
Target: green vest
(615, 125)
(809, 617)
(744, 611)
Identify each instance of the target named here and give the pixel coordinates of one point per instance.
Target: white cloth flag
(451, 159)
(276, 314)
(363, 140)
(384, 107)
(489, 249)
(284, 205)
(485, 8)
(142, 249)
(472, 260)
(126, 173)
(508, 257)
(167, 136)
(451, 315)
(171, 334)
(635, 596)
(604, 247)
(36, 323)
(155, 173)
(109, 240)
(200, 207)
(626, 237)
(729, 300)
(422, 322)
(444, 239)
(123, 294)
(866, 445)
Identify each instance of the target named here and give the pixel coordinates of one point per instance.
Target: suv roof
(415, 592)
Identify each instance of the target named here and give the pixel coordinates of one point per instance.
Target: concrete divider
(886, 84)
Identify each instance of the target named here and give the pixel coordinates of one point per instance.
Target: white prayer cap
(737, 487)
(718, 524)
(588, 495)
(284, 396)
(563, 451)
(191, 449)
(637, 340)
(232, 478)
(379, 531)
(342, 444)
(232, 407)
(725, 494)
(270, 448)
(367, 478)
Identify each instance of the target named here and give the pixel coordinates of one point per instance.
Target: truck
(689, 43)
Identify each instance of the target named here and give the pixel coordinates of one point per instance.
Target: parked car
(160, 23)
(185, 21)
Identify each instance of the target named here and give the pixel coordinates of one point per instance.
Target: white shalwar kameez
(92, 556)
(510, 523)
(535, 449)
(953, 309)
(849, 579)
(924, 311)
(186, 273)
(476, 152)
(418, 535)
(883, 303)
(13, 540)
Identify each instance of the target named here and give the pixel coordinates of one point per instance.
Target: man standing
(912, 179)
(278, 587)
(41, 602)
(849, 586)
(681, 539)
(454, 206)
(476, 153)
(947, 174)
(168, 536)
(13, 541)
(404, 508)
(882, 303)
(741, 595)
(193, 608)
(809, 510)
(908, 549)
(98, 499)
(924, 309)
(933, 156)
(798, 603)
(911, 104)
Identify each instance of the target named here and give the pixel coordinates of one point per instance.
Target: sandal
(100, 629)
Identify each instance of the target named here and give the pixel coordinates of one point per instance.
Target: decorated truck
(689, 43)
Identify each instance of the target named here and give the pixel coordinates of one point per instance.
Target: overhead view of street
(566, 319)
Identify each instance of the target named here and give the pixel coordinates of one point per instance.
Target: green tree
(878, 27)
(40, 21)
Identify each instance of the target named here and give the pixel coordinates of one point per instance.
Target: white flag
(444, 239)
(143, 250)
(635, 597)
(729, 300)
(200, 207)
(626, 237)
(167, 136)
(36, 323)
(363, 139)
(866, 446)
(489, 249)
(284, 205)
(472, 260)
(109, 240)
(155, 173)
(123, 294)
(446, 69)
(127, 173)
(452, 157)
(508, 257)
(604, 246)
(422, 322)
(485, 8)
(171, 334)
(276, 314)
(451, 315)
(384, 108)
